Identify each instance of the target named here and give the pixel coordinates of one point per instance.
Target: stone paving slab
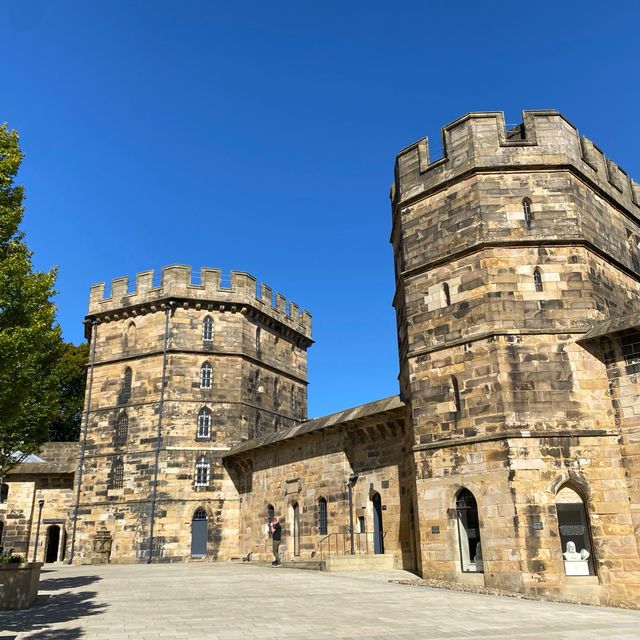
(230, 601)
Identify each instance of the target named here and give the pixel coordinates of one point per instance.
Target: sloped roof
(333, 419)
(612, 325)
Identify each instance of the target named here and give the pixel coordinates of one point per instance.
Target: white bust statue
(572, 555)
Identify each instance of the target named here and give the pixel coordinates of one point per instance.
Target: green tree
(30, 341)
(70, 376)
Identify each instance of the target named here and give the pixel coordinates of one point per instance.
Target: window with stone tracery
(206, 376)
(207, 329)
(204, 424)
(203, 472)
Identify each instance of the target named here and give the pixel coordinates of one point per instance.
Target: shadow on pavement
(55, 584)
(53, 609)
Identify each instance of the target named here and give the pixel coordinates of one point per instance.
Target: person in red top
(276, 537)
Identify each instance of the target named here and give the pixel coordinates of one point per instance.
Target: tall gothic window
(537, 279)
(203, 472)
(526, 208)
(469, 532)
(122, 429)
(207, 329)
(204, 424)
(323, 519)
(117, 474)
(206, 375)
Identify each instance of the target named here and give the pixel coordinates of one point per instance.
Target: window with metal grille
(200, 514)
(207, 329)
(323, 521)
(203, 471)
(117, 474)
(526, 208)
(206, 375)
(122, 429)
(204, 424)
(537, 279)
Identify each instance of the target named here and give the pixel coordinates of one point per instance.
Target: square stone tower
(179, 374)
(507, 250)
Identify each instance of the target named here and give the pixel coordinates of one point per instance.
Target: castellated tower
(234, 367)
(507, 251)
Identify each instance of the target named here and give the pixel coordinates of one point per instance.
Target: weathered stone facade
(511, 457)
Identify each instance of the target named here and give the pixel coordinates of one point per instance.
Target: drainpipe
(83, 448)
(154, 489)
(35, 546)
(352, 480)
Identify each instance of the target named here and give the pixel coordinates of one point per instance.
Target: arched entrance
(199, 533)
(378, 529)
(469, 532)
(296, 529)
(53, 544)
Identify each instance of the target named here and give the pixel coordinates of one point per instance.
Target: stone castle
(510, 457)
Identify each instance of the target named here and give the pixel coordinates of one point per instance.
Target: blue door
(199, 531)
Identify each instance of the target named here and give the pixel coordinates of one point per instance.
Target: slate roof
(333, 419)
(612, 325)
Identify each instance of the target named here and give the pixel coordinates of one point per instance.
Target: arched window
(526, 208)
(204, 424)
(323, 522)
(122, 429)
(206, 375)
(117, 474)
(4, 493)
(130, 335)
(203, 472)
(446, 294)
(575, 537)
(469, 532)
(258, 341)
(207, 329)
(455, 393)
(127, 382)
(537, 279)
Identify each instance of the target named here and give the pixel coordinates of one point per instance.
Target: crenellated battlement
(176, 283)
(481, 141)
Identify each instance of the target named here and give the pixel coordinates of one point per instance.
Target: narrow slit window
(127, 383)
(203, 472)
(323, 522)
(204, 424)
(207, 329)
(258, 341)
(537, 280)
(455, 392)
(446, 294)
(206, 375)
(528, 215)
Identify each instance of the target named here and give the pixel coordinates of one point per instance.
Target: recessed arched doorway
(199, 533)
(52, 547)
(378, 529)
(296, 529)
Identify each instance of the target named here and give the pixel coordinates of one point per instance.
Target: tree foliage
(30, 341)
(70, 377)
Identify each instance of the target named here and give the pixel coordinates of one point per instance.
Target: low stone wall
(19, 585)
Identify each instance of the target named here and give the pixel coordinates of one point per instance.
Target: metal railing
(339, 544)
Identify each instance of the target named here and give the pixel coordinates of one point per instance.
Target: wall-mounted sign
(537, 526)
(435, 529)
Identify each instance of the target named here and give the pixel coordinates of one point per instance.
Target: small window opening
(203, 470)
(122, 429)
(204, 424)
(206, 374)
(447, 295)
(207, 329)
(258, 341)
(528, 215)
(455, 391)
(323, 523)
(537, 280)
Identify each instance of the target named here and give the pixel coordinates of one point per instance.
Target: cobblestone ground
(240, 601)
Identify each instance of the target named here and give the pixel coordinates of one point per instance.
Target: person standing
(276, 537)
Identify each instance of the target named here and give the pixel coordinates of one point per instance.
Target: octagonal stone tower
(180, 373)
(507, 250)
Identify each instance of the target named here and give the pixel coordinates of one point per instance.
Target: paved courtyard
(241, 601)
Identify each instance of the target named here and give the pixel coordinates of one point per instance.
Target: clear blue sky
(261, 137)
